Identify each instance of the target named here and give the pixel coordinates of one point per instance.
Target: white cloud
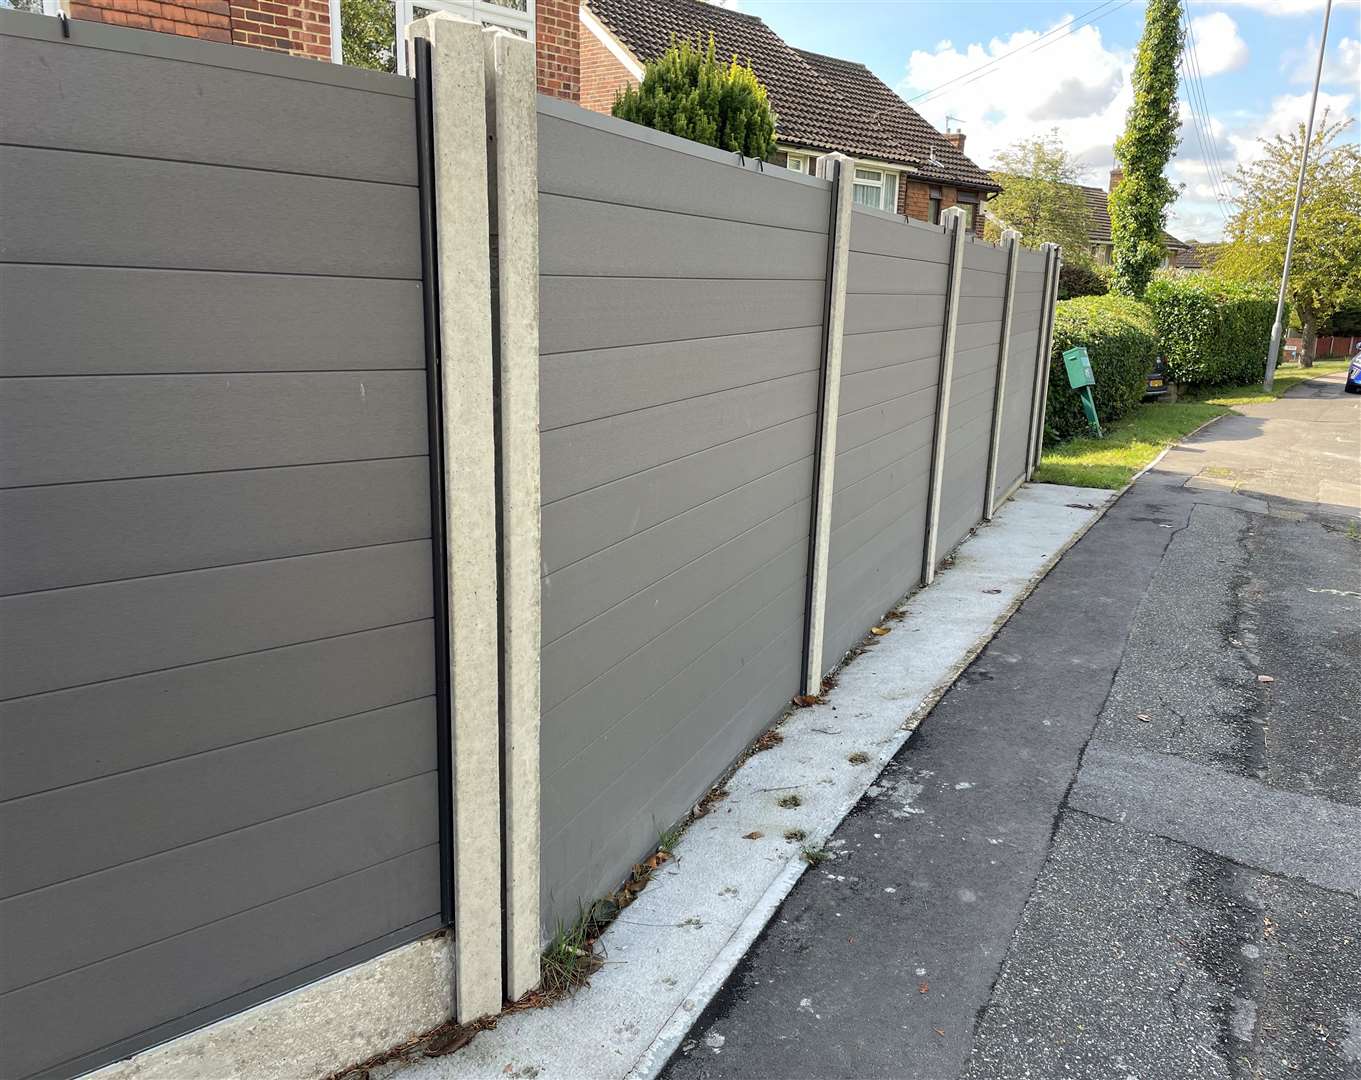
(1278, 7)
(1287, 112)
(1020, 96)
(1218, 48)
(1341, 65)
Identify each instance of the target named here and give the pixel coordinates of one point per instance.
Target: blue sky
(1255, 58)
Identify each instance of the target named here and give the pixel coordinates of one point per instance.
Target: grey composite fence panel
(972, 392)
(682, 303)
(1018, 393)
(219, 771)
(895, 309)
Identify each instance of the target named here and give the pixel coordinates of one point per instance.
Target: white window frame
(796, 163)
(889, 180)
(478, 10)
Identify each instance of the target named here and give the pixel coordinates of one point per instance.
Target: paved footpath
(1114, 849)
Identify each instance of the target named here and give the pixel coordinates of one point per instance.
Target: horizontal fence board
(576, 784)
(593, 648)
(901, 466)
(978, 335)
(588, 156)
(1031, 261)
(583, 524)
(980, 255)
(101, 320)
(581, 717)
(579, 236)
(48, 931)
(75, 735)
(976, 283)
(860, 390)
(57, 431)
(123, 103)
(981, 357)
(586, 455)
(579, 313)
(851, 535)
(69, 637)
(594, 853)
(870, 273)
(875, 312)
(909, 433)
(591, 586)
(62, 834)
(201, 217)
(874, 422)
(576, 387)
(875, 235)
(75, 534)
(271, 942)
(866, 352)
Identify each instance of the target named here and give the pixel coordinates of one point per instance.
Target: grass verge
(1134, 440)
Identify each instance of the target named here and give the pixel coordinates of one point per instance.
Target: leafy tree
(1138, 205)
(1325, 269)
(688, 93)
(1079, 279)
(368, 34)
(1040, 198)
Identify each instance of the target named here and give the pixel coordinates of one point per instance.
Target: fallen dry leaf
(755, 834)
(940, 1031)
(1266, 678)
(923, 987)
(1142, 716)
(879, 631)
(803, 701)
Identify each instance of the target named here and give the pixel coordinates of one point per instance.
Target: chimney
(956, 139)
(1117, 174)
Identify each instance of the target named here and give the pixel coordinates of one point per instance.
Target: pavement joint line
(635, 1013)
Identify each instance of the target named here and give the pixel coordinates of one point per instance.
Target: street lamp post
(1275, 347)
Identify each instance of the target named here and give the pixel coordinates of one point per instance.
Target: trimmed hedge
(1121, 342)
(1077, 280)
(1211, 331)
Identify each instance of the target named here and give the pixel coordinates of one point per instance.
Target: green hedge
(1210, 330)
(1077, 280)
(1120, 339)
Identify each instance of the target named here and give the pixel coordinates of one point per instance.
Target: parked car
(1353, 383)
(1157, 380)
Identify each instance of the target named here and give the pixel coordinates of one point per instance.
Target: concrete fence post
(1011, 242)
(839, 169)
(953, 219)
(1040, 389)
(463, 268)
(512, 117)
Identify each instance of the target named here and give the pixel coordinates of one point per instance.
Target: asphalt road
(1127, 843)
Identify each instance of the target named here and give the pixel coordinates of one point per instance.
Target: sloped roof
(820, 102)
(1099, 220)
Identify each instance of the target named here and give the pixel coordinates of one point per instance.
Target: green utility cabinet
(1081, 378)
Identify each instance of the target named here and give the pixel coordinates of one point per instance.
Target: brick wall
(914, 202)
(207, 19)
(300, 27)
(602, 75)
(557, 49)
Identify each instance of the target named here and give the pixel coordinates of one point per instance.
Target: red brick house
(822, 103)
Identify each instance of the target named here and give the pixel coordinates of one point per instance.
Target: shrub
(1212, 331)
(689, 93)
(1119, 336)
(1077, 280)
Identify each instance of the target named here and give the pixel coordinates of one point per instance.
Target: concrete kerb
(670, 951)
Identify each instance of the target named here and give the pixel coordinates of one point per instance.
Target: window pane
(935, 211)
(891, 191)
(795, 163)
(869, 174)
(867, 195)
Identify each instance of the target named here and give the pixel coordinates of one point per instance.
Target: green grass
(1135, 440)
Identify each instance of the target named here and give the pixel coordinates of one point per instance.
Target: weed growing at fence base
(1129, 445)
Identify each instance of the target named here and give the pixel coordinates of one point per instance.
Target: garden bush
(1119, 335)
(1077, 280)
(1212, 331)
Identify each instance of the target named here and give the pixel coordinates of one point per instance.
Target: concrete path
(1127, 842)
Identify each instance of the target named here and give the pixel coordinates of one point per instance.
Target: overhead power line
(1039, 44)
(1198, 105)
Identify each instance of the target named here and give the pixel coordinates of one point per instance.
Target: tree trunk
(1309, 346)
